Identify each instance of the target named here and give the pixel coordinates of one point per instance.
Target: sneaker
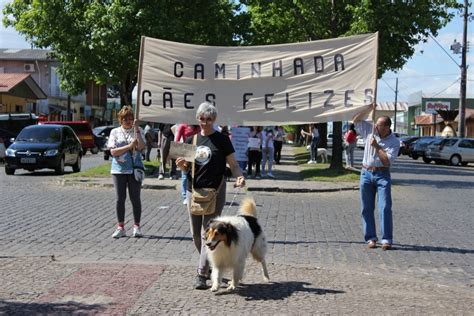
(270, 175)
(185, 202)
(258, 177)
(200, 282)
(161, 177)
(310, 162)
(137, 232)
(264, 175)
(119, 232)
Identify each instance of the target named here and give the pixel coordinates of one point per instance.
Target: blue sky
(430, 71)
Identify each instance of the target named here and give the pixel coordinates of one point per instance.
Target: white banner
(318, 81)
(240, 140)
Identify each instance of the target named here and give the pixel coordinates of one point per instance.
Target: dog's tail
(248, 207)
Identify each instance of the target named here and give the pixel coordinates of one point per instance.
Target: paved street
(57, 256)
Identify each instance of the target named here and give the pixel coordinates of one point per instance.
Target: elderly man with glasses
(380, 151)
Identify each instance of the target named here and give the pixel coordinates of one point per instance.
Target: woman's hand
(239, 182)
(182, 163)
(133, 144)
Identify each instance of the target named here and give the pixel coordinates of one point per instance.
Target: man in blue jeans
(381, 149)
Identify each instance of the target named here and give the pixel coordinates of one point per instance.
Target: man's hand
(373, 143)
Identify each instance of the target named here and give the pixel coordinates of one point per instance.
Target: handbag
(203, 200)
(138, 171)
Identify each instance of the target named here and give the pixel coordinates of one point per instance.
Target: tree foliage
(100, 40)
(401, 23)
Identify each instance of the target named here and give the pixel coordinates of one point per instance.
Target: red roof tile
(10, 80)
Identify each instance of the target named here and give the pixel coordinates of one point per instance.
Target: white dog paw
(214, 288)
(266, 279)
(231, 287)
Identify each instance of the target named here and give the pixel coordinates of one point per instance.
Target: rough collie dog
(229, 240)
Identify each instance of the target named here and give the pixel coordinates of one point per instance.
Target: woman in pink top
(350, 139)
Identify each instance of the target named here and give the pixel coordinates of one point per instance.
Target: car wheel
(414, 156)
(426, 160)
(77, 166)
(60, 168)
(95, 150)
(455, 160)
(9, 171)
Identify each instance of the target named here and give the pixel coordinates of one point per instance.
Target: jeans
(277, 144)
(183, 184)
(267, 156)
(378, 183)
(314, 149)
(349, 154)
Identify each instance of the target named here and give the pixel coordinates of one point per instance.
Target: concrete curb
(323, 187)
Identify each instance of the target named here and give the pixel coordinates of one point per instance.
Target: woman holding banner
(213, 151)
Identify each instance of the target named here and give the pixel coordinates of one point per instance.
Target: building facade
(89, 106)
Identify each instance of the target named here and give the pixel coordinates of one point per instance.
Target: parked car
(455, 151)
(7, 136)
(329, 140)
(83, 131)
(101, 136)
(405, 142)
(419, 146)
(44, 146)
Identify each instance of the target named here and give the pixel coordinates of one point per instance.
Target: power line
(452, 84)
(422, 76)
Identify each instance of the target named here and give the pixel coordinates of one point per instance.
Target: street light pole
(462, 104)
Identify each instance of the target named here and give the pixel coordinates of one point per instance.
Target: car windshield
(40, 135)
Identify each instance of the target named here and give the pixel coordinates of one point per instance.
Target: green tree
(100, 40)
(401, 25)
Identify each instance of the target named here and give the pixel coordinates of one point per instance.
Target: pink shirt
(184, 131)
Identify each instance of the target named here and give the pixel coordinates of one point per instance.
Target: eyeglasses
(205, 119)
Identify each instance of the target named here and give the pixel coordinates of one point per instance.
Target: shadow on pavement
(276, 290)
(68, 308)
(403, 247)
(441, 184)
(166, 237)
(296, 242)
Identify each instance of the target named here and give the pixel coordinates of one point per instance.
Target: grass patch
(103, 171)
(322, 171)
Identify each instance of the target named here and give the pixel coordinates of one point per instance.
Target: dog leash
(236, 191)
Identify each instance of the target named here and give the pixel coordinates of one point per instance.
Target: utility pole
(462, 104)
(396, 97)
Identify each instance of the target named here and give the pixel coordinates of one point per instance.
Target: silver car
(454, 150)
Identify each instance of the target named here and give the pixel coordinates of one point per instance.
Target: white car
(360, 142)
(456, 151)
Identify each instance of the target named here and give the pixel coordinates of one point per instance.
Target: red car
(83, 131)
